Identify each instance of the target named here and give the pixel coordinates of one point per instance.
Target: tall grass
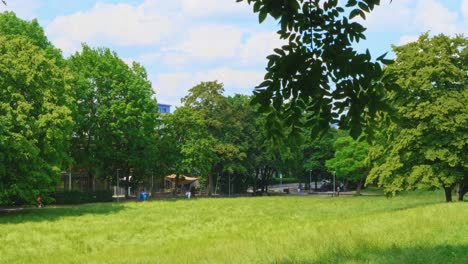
(416, 228)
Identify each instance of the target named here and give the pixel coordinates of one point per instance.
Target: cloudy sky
(184, 42)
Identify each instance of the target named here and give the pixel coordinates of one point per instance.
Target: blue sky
(184, 42)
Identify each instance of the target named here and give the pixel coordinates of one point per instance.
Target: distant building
(164, 108)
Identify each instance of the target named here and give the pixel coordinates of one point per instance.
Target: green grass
(415, 228)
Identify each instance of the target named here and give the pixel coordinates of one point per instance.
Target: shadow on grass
(55, 213)
(432, 254)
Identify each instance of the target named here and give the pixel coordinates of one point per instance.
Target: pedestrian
(39, 201)
(188, 194)
(338, 190)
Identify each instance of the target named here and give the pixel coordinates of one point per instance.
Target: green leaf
(262, 16)
(363, 6)
(354, 13)
(351, 3)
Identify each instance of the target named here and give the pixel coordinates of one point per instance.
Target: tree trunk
(462, 189)
(359, 187)
(90, 181)
(174, 191)
(210, 183)
(255, 182)
(448, 194)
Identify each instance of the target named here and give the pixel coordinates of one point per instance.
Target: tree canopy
(350, 160)
(428, 144)
(116, 116)
(36, 122)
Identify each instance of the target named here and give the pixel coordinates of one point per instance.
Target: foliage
(13, 26)
(116, 116)
(207, 98)
(317, 151)
(318, 78)
(35, 121)
(427, 145)
(350, 160)
(326, 230)
(188, 148)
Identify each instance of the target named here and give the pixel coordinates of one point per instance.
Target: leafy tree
(35, 123)
(270, 153)
(350, 160)
(317, 151)
(427, 144)
(188, 146)
(318, 74)
(239, 130)
(116, 117)
(11, 25)
(207, 98)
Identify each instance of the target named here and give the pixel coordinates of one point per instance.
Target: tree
(116, 117)
(318, 74)
(207, 98)
(35, 123)
(188, 146)
(317, 151)
(11, 25)
(350, 160)
(427, 145)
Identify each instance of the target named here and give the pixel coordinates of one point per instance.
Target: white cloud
(172, 84)
(217, 43)
(25, 9)
(170, 87)
(235, 81)
(464, 8)
(210, 42)
(178, 24)
(415, 16)
(432, 15)
(181, 42)
(407, 39)
(259, 46)
(120, 24)
(394, 16)
(200, 8)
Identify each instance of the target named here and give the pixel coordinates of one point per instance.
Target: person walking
(39, 201)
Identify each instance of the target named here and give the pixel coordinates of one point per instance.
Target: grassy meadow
(413, 228)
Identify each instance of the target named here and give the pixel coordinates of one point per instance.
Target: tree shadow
(54, 213)
(393, 255)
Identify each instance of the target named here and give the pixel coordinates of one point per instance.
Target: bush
(77, 197)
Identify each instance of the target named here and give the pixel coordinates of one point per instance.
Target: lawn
(413, 228)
